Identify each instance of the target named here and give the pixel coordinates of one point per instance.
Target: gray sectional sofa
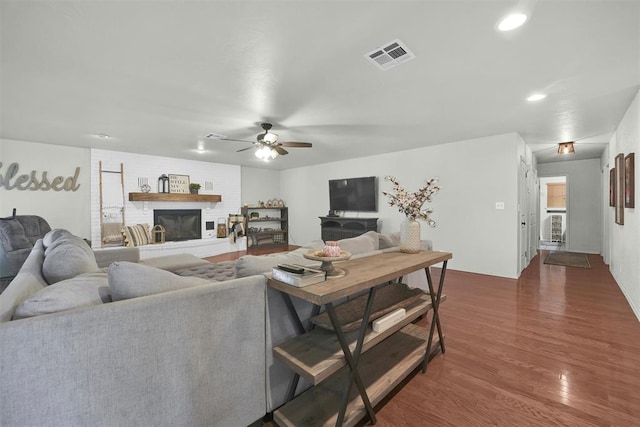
(110, 341)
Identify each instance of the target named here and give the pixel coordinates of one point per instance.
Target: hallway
(559, 346)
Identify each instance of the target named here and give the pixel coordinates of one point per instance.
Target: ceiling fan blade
(295, 144)
(236, 140)
(244, 149)
(280, 150)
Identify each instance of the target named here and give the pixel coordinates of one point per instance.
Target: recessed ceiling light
(536, 97)
(102, 135)
(511, 22)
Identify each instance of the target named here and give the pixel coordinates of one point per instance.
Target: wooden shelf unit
(172, 197)
(265, 238)
(386, 357)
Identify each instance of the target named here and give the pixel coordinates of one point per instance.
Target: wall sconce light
(566, 148)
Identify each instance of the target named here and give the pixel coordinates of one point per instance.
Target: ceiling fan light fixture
(273, 153)
(270, 138)
(566, 148)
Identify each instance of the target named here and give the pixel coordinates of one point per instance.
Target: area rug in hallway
(568, 259)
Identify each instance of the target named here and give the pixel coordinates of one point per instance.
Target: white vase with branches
(411, 205)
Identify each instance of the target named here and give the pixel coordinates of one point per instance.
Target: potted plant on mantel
(193, 188)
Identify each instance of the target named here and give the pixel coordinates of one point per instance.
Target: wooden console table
(375, 362)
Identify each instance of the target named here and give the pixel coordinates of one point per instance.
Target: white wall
(260, 185)
(61, 209)
(624, 247)
(474, 175)
(545, 217)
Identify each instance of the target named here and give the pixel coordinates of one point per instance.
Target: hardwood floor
(559, 346)
(254, 251)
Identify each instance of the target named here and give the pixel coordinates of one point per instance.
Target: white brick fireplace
(226, 180)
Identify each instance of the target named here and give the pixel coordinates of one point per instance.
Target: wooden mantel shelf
(172, 197)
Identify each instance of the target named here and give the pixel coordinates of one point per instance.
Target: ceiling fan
(267, 144)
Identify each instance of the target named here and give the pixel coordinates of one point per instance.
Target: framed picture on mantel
(179, 184)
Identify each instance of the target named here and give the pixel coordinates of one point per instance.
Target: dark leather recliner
(18, 234)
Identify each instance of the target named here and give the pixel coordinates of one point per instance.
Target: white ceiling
(160, 75)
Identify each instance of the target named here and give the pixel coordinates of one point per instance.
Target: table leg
(353, 358)
(300, 329)
(435, 320)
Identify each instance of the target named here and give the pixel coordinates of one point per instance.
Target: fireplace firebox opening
(179, 224)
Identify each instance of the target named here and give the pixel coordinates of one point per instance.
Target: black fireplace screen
(179, 224)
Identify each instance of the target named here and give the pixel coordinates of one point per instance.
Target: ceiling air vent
(392, 54)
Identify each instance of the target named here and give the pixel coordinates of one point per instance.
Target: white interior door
(534, 200)
(523, 215)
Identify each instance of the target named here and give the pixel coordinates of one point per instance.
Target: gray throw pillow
(131, 280)
(367, 242)
(389, 240)
(81, 291)
(54, 235)
(67, 257)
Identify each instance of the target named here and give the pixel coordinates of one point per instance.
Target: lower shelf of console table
(382, 368)
(317, 355)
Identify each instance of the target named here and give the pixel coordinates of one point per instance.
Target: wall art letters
(10, 180)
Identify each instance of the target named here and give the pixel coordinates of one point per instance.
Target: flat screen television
(353, 194)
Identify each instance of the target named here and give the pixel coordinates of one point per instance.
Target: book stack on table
(298, 275)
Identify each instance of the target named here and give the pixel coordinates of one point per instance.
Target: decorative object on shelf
(629, 187)
(194, 187)
(261, 203)
(143, 184)
(331, 249)
(388, 298)
(327, 262)
(411, 204)
(280, 203)
(178, 184)
(158, 234)
(163, 183)
(254, 215)
(222, 228)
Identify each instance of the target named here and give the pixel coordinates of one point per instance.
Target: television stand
(337, 228)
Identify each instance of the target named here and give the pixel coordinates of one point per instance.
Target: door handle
(523, 223)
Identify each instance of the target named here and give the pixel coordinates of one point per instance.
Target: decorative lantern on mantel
(158, 233)
(163, 183)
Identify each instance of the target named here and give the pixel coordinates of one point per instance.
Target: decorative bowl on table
(327, 262)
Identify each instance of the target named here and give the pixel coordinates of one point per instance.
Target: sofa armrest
(104, 257)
